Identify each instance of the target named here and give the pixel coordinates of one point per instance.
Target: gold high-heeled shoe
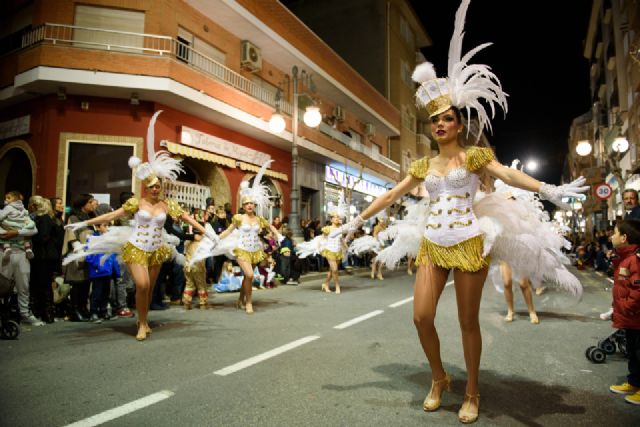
(325, 288)
(147, 328)
(430, 403)
(240, 305)
(249, 308)
(337, 289)
(464, 415)
(142, 333)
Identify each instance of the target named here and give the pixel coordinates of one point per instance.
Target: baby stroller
(9, 329)
(607, 346)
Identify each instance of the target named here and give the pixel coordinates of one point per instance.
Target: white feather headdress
(160, 165)
(258, 193)
(466, 85)
(341, 209)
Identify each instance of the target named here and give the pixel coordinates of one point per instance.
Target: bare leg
(379, 268)
(246, 289)
(525, 287)
(410, 266)
(505, 271)
(468, 295)
(373, 269)
(333, 271)
(430, 281)
(327, 280)
(140, 275)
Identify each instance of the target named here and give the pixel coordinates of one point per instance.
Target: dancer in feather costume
(453, 238)
(143, 247)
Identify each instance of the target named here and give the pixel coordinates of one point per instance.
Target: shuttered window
(106, 28)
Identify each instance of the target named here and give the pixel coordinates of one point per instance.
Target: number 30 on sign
(603, 191)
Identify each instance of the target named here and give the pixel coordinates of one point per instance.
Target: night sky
(537, 55)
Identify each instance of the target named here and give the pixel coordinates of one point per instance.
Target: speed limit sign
(603, 191)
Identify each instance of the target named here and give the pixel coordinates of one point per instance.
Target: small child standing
(102, 270)
(626, 301)
(14, 217)
(195, 276)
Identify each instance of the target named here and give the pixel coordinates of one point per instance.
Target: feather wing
(108, 243)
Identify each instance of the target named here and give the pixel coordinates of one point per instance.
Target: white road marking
(264, 356)
(610, 279)
(449, 283)
(125, 409)
(399, 303)
(358, 319)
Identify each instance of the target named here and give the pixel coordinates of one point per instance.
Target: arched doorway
(16, 173)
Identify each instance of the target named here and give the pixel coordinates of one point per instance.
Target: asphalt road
(288, 364)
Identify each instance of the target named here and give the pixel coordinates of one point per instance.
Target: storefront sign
(337, 177)
(15, 127)
(217, 145)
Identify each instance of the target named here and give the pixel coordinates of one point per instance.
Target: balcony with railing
(153, 45)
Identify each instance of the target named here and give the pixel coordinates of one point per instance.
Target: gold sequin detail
(133, 255)
(478, 157)
(131, 206)
(434, 201)
(263, 222)
(173, 209)
(460, 211)
(332, 256)
(418, 168)
(237, 220)
(459, 196)
(464, 256)
(438, 105)
(434, 225)
(463, 224)
(438, 212)
(251, 257)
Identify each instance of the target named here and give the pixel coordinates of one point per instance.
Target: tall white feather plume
(151, 149)
(471, 82)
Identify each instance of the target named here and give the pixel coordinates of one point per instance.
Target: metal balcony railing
(166, 46)
(149, 44)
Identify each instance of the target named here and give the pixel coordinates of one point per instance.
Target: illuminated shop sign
(334, 176)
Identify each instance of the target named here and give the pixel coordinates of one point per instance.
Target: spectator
(171, 278)
(195, 276)
(277, 223)
(46, 258)
(227, 210)
(17, 268)
(630, 200)
(102, 270)
(76, 273)
(123, 290)
(626, 303)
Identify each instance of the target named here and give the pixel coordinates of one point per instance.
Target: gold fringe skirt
(251, 257)
(464, 256)
(332, 256)
(134, 255)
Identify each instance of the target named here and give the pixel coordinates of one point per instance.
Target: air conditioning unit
(370, 130)
(338, 113)
(250, 57)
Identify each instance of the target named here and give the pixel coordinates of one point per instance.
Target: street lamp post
(294, 217)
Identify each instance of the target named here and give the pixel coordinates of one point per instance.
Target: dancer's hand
(280, 237)
(349, 228)
(77, 246)
(554, 193)
(76, 226)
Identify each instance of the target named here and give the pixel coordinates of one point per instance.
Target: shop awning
(200, 154)
(271, 173)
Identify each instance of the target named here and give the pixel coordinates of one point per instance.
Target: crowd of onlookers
(35, 242)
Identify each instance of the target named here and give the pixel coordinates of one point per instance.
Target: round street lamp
(532, 165)
(583, 148)
(620, 144)
(312, 117)
(276, 123)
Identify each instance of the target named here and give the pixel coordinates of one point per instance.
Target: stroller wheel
(607, 346)
(597, 355)
(586, 353)
(10, 330)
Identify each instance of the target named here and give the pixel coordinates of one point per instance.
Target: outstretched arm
(388, 198)
(191, 221)
(226, 232)
(108, 217)
(512, 177)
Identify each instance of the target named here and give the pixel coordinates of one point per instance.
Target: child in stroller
(9, 328)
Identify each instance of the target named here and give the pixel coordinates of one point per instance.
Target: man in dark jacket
(630, 200)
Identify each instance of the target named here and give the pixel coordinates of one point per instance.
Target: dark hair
(124, 196)
(15, 194)
(81, 200)
(631, 229)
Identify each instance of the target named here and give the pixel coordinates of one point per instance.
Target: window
(408, 119)
(405, 73)
(407, 33)
(198, 53)
(123, 22)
